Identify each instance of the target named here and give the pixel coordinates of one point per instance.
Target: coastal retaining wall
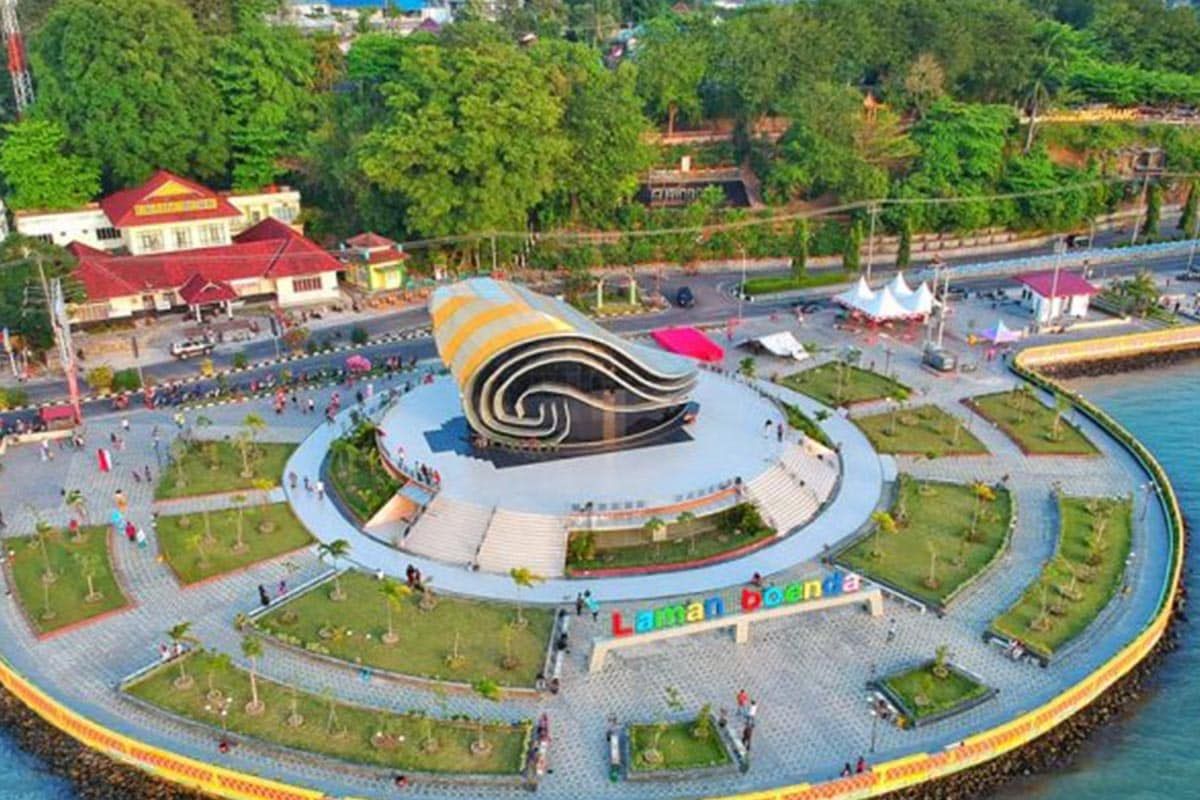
(882, 778)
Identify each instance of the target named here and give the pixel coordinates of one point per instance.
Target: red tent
(688, 342)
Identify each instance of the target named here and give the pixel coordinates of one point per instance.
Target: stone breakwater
(94, 776)
(1096, 368)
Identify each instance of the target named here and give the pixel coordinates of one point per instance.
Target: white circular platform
(730, 439)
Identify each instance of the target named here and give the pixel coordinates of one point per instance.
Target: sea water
(1148, 754)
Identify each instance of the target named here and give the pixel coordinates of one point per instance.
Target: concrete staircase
(449, 531)
(791, 492)
(515, 539)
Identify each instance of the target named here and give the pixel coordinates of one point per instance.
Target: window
(151, 241)
(256, 216)
(284, 213)
(45, 237)
(306, 284)
(183, 238)
(212, 234)
(107, 234)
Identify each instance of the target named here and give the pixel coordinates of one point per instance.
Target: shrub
(240, 360)
(358, 335)
(100, 379)
(13, 398)
(126, 380)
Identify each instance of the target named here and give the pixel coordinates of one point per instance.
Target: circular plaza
(572, 565)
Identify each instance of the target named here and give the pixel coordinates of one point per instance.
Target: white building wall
(282, 204)
(63, 227)
(288, 295)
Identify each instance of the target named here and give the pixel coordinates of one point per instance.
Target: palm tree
(489, 690)
(252, 424)
(523, 578)
(1048, 72)
(198, 542)
(179, 452)
(335, 551)
(884, 523)
(209, 446)
(940, 656)
(1062, 404)
(44, 530)
(218, 664)
(182, 634)
(89, 565)
(900, 396)
(239, 502)
(252, 649)
(263, 487)
(931, 580)
(77, 503)
(394, 594)
(982, 493)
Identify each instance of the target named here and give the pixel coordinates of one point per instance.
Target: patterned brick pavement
(807, 672)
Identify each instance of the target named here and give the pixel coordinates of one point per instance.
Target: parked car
(191, 347)
(684, 297)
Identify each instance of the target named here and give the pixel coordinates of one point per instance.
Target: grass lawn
(68, 594)
(703, 537)
(923, 431)
(938, 516)
(679, 748)
(798, 420)
(1079, 582)
(924, 694)
(789, 283)
(181, 539)
(356, 473)
(354, 629)
(348, 735)
(1029, 423)
(216, 466)
(834, 384)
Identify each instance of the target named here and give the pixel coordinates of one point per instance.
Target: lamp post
(742, 285)
(871, 241)
(874, 711)
(1059, 247)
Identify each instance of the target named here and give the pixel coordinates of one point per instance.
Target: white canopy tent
(895, 301)
(900, 288)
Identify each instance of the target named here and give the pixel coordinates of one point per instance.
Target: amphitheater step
(449, 531)
(514, 539)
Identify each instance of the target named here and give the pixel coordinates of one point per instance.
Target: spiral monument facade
(534, 372)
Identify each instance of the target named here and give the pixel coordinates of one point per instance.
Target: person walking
(592, 605)
(752, 711)
(861, 766)
(263, 597)
(579, 604)
(125, 424)
(891, 633)
(320, 489)
(743, 700)
(747, 735)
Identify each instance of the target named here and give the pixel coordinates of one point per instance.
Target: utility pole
(871, 242)
(742, 285)
(1059, 247)
(493, 254)
(18, 64)
(945, 307)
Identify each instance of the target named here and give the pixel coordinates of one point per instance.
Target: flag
(105, 460)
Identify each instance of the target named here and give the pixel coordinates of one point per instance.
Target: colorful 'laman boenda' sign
(752, 599)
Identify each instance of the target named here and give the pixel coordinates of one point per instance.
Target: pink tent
(688, 342)
(357, 363)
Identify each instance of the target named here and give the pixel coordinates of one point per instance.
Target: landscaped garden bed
(800, 421)
(933, 691)
(770, 284)
(936, 539)
(199, 685)
(660, 544)
(840, 384)
(921, 431)
(449, 639)
(677, 750)
(62, 579)
(357, 475)
(1095, 536)
(1035, 427)
(211, 466)
(208, 543)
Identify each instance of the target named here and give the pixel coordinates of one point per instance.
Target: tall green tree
(471, 139)
(265, 76)
(1187, 218)
(799, 246)
(602, 126)
(671, 64)
(37, 171)
(1048, 72)
(130, 82)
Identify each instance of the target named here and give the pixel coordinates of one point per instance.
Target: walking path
(808, 672)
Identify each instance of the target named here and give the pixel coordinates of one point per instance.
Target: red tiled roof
(270, 249)
(165, 198)
(1069, 284)
(199, 290)
(369, 240)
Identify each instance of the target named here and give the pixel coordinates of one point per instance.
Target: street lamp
(874, 711)
(1060, 247)
(742, 285)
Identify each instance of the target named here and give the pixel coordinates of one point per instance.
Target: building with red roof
(1052, 294)
(165, 214)
(374, 263)
(269, 259)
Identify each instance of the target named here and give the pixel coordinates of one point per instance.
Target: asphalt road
(715, 304)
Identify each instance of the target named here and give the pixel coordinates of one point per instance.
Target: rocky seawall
(1108, 366)
(94, 776)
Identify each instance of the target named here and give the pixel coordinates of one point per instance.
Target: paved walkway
(807, 673)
